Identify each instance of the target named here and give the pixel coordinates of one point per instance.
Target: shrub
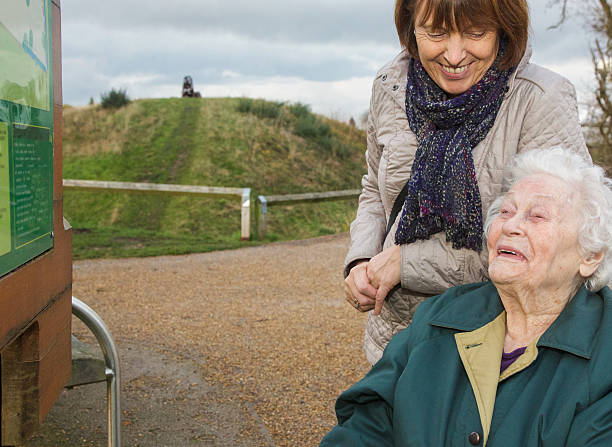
(305, 124)
(341, 150)
(267, 109)
(260, 107)
(311, 127)
(114, 99)
(299, 110)
(245, 105)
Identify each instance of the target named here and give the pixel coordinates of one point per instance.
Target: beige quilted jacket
(539, 110)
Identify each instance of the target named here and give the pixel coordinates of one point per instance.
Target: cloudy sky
(319, 52)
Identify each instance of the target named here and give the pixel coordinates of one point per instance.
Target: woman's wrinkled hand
(358, 290)
(383, 272)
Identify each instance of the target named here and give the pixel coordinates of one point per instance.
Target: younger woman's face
(454, 59)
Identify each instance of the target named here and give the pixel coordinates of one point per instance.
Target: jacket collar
(393, 77)
(573, 331)
(470, 311)
(520, 67)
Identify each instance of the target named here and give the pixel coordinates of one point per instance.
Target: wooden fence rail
(214, 191)
(156, 188)
(266, 201)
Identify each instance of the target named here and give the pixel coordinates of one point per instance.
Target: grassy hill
(232, 142)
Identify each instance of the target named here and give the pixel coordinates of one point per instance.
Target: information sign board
(26, 132)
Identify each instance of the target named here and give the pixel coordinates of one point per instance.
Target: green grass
(210, 142)
(118, 242)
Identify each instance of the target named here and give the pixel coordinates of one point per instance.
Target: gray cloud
(211, 53)
(269, 20)
(315, 41)
(148, 46)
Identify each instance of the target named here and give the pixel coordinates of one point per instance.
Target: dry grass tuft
(93, 130)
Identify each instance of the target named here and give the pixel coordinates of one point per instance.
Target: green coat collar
(573, 331)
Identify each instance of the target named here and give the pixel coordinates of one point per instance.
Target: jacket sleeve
(368, 426)
(552, 118)
(365, 411)
(592, 427)
(368, 228)
(432, 265)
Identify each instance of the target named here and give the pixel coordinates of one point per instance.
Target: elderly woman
(524, 360)
(446, 115)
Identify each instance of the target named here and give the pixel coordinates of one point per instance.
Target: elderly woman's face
(533, 241)
(455, 60)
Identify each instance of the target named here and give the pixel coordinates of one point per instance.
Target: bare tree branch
(563, 13)
(597, 14)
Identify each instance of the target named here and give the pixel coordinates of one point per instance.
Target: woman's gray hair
(595, 193)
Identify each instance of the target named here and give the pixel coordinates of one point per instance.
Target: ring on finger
(356, 304)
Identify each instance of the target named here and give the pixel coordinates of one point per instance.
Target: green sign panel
(26, 132)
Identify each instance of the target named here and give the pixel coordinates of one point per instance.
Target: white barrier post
(245, 221)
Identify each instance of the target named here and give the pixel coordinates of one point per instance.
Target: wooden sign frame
(35, 302)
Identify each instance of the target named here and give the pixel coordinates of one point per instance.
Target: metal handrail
(111, 358)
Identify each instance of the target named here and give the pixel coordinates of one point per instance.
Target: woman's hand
(383, 272)
(357, 288)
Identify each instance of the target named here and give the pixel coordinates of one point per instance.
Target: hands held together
(369, 282)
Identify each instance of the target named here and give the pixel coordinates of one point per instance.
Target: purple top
(509, 358)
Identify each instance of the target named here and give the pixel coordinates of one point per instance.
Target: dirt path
(247, 347)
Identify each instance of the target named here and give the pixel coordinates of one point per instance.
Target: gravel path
(248, 347)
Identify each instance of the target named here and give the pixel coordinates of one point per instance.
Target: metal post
(111, 357)
(262, 216)
(245, 221)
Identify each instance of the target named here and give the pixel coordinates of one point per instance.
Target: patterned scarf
(443, 191)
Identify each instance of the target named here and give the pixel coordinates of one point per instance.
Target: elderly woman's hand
(384, 273)
(357, 288)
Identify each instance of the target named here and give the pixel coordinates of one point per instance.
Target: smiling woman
(529, 364)
(455, 60)
(561, 208)
(536, 229)
(458, 44)
(445, 116)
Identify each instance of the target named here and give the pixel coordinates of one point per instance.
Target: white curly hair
(594, 190)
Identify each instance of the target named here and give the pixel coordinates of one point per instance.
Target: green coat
(438, 381)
